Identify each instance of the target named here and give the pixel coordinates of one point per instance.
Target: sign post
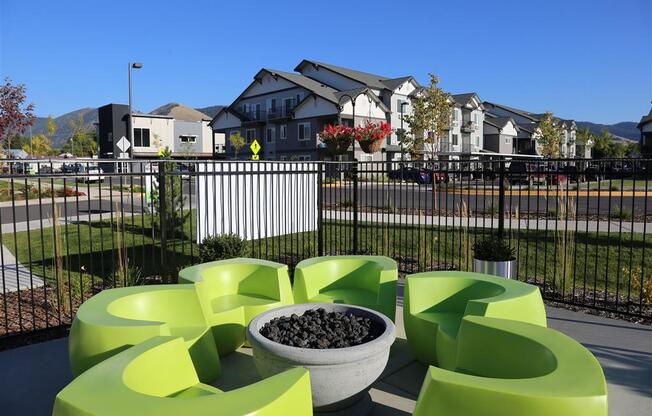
(255, 148)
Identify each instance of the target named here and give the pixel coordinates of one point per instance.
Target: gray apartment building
(285, 111)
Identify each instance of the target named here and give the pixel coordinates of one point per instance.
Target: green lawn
(90, 253)
(618, 184)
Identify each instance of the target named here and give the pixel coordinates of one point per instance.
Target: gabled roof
(464, 99)
(364, 90)
(310, 84)
(521, 113)
(223, 110)
(645, 120)
(500, 122)
(528, 127)
(394, 83)
(371, 80)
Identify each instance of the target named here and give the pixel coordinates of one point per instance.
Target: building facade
(151, 133)
(645, 126)
(285, 111)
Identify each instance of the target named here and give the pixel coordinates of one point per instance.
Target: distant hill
(626, 129)
(212, 110)
(63, 122)
(180, 112)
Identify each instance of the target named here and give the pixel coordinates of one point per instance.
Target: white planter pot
(505, 269)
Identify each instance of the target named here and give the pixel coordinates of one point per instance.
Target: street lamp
(130, 130)
(339, 107)
(403, 103)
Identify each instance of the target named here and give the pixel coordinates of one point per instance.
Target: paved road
(371, 195)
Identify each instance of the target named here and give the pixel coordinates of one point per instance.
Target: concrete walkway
(15, 276)
(613, 226)
(32, 375)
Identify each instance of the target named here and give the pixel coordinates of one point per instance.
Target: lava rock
(319, 329)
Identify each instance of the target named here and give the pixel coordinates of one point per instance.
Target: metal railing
(579, 230)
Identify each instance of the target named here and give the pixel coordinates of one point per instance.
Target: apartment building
(286, 111)
(528, 132)
(645, 126)
(190, 138)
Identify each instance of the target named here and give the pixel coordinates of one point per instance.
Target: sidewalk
(480, 222)
(14, 276)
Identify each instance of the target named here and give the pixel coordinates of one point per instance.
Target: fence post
(162, 216)
(355, 206)
(501, 199)
(320, 218)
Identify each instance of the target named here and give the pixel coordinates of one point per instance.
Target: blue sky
(587, 60)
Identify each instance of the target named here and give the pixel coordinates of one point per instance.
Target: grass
(618, 184)
(92, 253)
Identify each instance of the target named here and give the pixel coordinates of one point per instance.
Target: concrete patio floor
(31, 376)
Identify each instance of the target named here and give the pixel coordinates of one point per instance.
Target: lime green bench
(510, 368)
(436, 302)
(156, 377)
(232, 292)
(368, 281)
(116, 319)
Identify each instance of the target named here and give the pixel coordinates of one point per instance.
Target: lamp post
(403, 103)
(339, 107)
(130, 129)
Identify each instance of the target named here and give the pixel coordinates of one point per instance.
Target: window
(250, 135)
(270, 134)
(303, 157)
(283, 132)
(303, 131)
(508, 140)
(455, 140)
(257, 114)
(141, 137)
(186, 138)
(271, 104)
(110, 138)
(283, 157)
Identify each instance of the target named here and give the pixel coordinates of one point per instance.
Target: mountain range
(623, 130)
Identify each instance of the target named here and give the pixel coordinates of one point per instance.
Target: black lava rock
(319, 329)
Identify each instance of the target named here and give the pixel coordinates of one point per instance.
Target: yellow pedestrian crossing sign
(255, 148)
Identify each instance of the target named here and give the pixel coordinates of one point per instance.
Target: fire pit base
(339, 377)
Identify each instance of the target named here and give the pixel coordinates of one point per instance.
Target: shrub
(493, 249)
(223, 246)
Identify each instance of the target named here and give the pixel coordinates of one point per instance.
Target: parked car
(91, 173)
(574, 173)
(410, 174)
(520, 172)
(593, 173)
(438, 172)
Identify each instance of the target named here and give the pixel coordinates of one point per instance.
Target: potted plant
(337, 138)
(494, 256)
(371, 135)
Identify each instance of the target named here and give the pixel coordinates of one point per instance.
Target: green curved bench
(116, 319)
(436, 302)
(511, 368)
(232, 292)
(156, 377)
(368, 281)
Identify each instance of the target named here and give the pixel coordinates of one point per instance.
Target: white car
(92, 173)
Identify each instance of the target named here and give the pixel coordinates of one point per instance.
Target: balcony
(254, 117)
(280, 113)
(469, 127)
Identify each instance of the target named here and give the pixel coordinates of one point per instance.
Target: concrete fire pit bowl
(339, 377)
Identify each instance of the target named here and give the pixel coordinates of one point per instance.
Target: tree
(52, 126)
(550, 136)
(603, 145)
(237, 142)
(429, 121)
(40, 146)
(15, 115)
(83, 141)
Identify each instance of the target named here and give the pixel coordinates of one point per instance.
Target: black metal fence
(578, 228)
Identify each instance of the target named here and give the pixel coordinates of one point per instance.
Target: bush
(493, 249)
(220, 247)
